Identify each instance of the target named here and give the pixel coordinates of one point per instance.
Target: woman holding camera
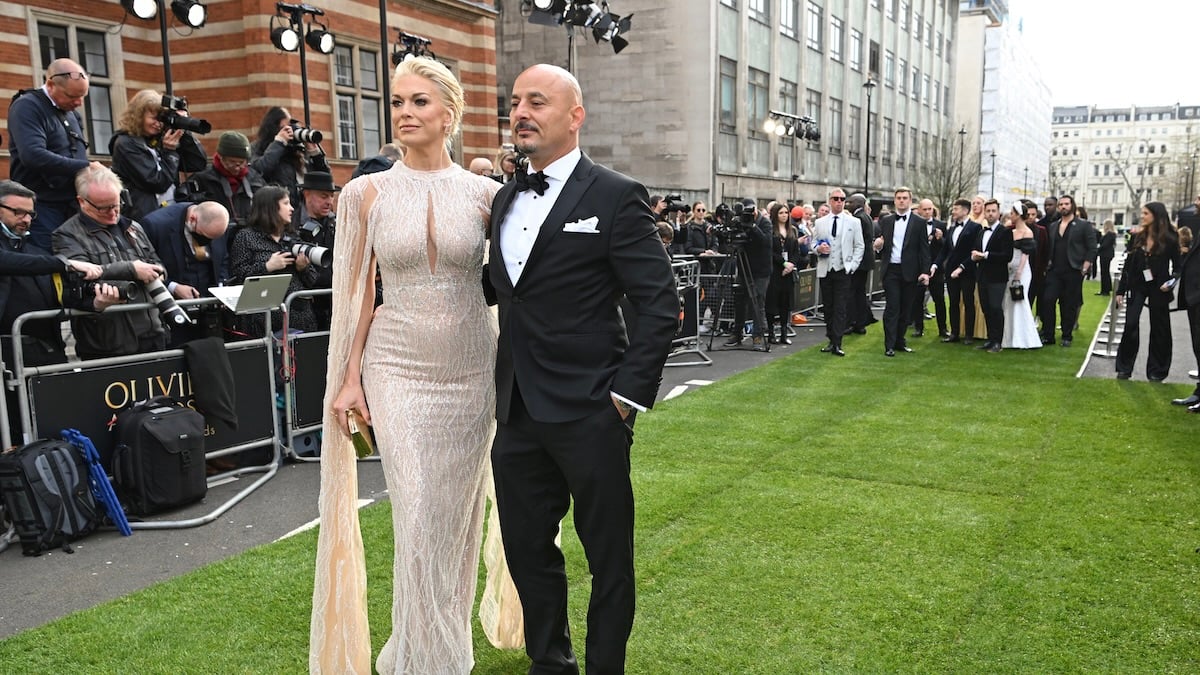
(264, 247)
(281, 157)
(148, 156)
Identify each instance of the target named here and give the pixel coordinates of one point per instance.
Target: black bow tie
(903, 217)
(532, 181)
(987, 228)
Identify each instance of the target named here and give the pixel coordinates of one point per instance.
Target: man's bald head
(562, 76)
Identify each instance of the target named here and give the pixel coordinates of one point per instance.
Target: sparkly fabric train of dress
(1020, 329)
(428, 378)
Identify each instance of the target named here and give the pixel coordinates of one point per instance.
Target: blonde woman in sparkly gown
(420, 368)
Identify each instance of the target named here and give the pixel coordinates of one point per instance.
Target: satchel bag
(1016, 291)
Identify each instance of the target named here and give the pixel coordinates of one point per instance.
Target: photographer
(749, 236)
(315, 223)
(229, 180)
(282, 156)
(100, 234)
(148, 156)
(190, 240)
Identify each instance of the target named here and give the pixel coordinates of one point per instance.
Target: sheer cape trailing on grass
(427, 362)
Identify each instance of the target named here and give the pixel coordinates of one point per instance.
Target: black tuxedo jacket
(1080, 240)
(1189, 278)
(914, 255)
(959, 255)
(164, 229)
(562, 339)
(994, 269)
(936, 244)
(868, 233)
(27, 261)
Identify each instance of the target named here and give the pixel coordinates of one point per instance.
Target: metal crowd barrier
(86, 395)
(687, 337)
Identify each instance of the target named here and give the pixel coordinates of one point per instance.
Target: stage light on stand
(605, 26)
(320, 39)
(285, 38)
(190, 12)
(786, 124)
(409, 46)
(141, 9)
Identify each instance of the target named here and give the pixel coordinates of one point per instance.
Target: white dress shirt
(529, 211)
(899, 228)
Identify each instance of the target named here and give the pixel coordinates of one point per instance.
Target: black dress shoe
(968, 341)
(1047, 340)
(733, 341)
(1124, 376)
(837, 351)
(1194, 408)
(950, 338)
(827, 348)
(1066, 342)
(918, 333)
(986, 345)
(889, 352)
(995, 349)
(1189, 401)
(859, 331)
(906, 349)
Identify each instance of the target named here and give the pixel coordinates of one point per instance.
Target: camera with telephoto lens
(675, 204)
(168, 309)
(171, 119)
(733, 224)
(302, 135)
(317, 255)
(79, 288)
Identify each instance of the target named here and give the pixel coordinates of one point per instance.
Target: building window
(728, 112)
(788, 97)
(756, 90)
(814, 26)
(759, 10)
(916, 83)
(912, 156)
(902, 18)
(902, 138)
(856, 46)
(937, 98)
(89, 49)
(789, 13)
(900, 81)
(925, 89)
(729, 3)
(853, 135)
(837, 34)
(812, 108)
(916, 26)
(873, 60)
(873, 149)
(887, 140)
(929, 36)
(359, 104)
(833, 131)
(889, 68)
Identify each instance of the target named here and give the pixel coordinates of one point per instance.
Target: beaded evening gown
(428, 378)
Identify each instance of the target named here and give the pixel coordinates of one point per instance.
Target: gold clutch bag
(360, 434)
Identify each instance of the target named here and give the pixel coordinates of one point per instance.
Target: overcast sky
(1115, 52)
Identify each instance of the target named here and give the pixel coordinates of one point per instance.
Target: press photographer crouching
(746, 237)
(190, 241)
(152, 145)
(100, 234)
(315, 223)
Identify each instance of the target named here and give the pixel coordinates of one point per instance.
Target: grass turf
(945, 511)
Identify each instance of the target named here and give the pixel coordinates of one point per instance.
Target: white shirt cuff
(632, 404)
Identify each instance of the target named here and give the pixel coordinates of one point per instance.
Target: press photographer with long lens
(315, 224)
(266, 246)
(286, 150)
(100, 234)
(190, 240)
(152, 145)
(747, 237)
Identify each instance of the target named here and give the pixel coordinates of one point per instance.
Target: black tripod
(734, 277)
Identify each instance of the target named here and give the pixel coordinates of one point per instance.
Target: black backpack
(45, 489)
(158, 462)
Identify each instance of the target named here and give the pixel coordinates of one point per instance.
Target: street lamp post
(869, 85)
(1192, 177)
(993, 190)
(962, 151)
(1025, 190)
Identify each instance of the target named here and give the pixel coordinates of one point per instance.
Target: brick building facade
(231, 73)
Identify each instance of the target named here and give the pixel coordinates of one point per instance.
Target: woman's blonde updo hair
(451, 92)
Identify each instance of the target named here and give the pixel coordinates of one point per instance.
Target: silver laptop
(257, 294)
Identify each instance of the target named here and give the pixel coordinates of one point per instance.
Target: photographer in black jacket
(747, 236)
(148, 156)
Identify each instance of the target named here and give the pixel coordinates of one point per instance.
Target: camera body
(80, 289)
(675, 204)
(171, 119)
(317, 255)
(302, 134)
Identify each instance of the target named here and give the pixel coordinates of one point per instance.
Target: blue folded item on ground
(102, 489)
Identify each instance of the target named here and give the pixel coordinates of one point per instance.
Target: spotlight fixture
(320, 39)
(786, 124)
(605, 25)
(409, 46)
(142, 9)
(190, 12)
(285, 38)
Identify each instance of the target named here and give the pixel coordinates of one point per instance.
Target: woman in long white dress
(420, 369)
(1020, 329)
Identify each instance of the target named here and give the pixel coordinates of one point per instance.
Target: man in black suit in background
(568, 242)
(1189, 299)
(958, 270)
(190, 240)
(859, 314)
(1072, 253)
(992, 252)
(903, 246)
(937, 285)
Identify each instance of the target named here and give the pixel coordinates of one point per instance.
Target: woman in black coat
(280, 158)
(262, 247)
(785, 253)
(148, 157)
(1106, 249)
(1148, 278)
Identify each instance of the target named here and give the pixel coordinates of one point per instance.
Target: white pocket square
(586, 226)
